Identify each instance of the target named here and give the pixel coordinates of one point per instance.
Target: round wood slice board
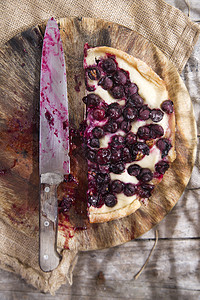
(19, 131)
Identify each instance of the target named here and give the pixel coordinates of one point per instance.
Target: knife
(54, 160)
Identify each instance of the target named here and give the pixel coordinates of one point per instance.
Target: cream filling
(153, 95)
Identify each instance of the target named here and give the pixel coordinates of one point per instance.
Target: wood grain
(101, 274)
(20, 61)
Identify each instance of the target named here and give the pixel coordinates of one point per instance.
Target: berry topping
(145, 175)
(116, 186)
(156, 131)
(109, 65)
(110, 200)
(111, 127)
(126, 155)
(120, 77)
(117, 168)
(104, 189)
(104, 168)
(140, 147)
(144, 113)
(125, 126)
(93, 73)
(164, 145)
(167, 106)
(94, 143)
(136, 100)
(144, 190)
(99, 114)
(91, 155)
(131, 89)
(116, 155)
(94, 200)
(117, 92)
(130, 113)
(98, 132)
(130, 138)
(92, 100)
(106, 83)
(156, 115)
(117, 141)
(102, 178)
(114, 111)
(161, 167)
(144, 132)
(103, 156)
(134, 170)
(129, 189)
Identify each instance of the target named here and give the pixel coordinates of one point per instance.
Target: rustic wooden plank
(172, 272)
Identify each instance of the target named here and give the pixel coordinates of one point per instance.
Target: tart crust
(146, 72)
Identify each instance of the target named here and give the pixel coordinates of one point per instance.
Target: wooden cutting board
(19, 127)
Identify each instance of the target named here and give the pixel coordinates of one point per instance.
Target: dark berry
(109, 65)
(144, 113)
(126, 155)
(99, 114)
(134, 170)
(156, 115)
(125, 126)
(94, 143)
(115, 155)
(98, 132)
(164, 145)
(114, 111)
(104, 168)
(95, 200)
(110, 200)
(92, 100)
(120, 119)
(161, 167)
(130, 113)
(117, 168)
(104, 189)
(145, 175)
(144, 190)
(117, 141)
(130, 138)
(103, 156)
(111, 127)
(91, 155)
(106, 83)
(93, 73)
(136, 100)
(102, 178)
(117, 92)
(156, 131)
(130, 189)
(131, 89)
(116, 186)
(167, 106)
(142, 147)
(144, 132)
(120, 77)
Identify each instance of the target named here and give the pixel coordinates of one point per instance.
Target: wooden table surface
(173, 271)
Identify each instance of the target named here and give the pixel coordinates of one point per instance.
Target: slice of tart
(129, 135)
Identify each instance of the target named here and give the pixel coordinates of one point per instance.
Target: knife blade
(54, 160)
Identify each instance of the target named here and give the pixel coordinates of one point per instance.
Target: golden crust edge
(115, 214)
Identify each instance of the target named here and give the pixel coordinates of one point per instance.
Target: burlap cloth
(167, 27)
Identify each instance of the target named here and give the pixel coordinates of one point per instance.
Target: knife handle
(49, 257)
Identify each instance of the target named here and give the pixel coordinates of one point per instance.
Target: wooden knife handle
(49, 257)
